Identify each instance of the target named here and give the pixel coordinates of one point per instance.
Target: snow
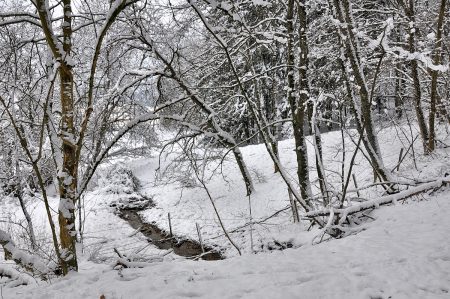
(381, 200)
(188, 204)
(25, 258)
(403, 254)
(399, 247)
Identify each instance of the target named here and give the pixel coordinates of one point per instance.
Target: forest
(224, 148)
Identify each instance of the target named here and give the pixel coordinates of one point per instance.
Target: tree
(68, 144)
(361, 96)
(437, 58)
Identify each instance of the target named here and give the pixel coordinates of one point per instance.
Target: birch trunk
(68, 178)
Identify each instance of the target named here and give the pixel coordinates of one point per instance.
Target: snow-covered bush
(118, 179)
(121, 185)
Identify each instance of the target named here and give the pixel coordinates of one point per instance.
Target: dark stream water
(162, 239)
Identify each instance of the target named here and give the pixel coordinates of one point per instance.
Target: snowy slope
(404, 253)
(190, 205)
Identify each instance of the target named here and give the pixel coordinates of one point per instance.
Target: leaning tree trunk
(213, 123)
(18, 194)
(362, 108)
(267, 113)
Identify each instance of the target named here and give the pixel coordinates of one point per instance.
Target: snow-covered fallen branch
(127, 263)
(14, 277)
(326, 228)
(375, 203)
(30, 262)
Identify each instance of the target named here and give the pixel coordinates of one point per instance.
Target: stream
(162, 240)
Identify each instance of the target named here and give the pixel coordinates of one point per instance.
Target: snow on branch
(375, 203)
(116, 8)
(15, 278)
(22, 258)
(17, 20)
(398, 51)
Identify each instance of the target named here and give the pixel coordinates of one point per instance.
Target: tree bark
(399, 84)
(297, 101)
(434, 77)
(67, 179)
(410, 13)
(362, 108)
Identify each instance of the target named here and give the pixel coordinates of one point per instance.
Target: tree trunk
(297, 101)
(68, 178)
(275, 128)
(362, 109)
(410, 13)
(398, 102)
(434, 77)
(304, 94)
(398, 96)
(18, 194)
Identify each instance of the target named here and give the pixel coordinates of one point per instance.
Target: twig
(118, 253)
(404, 156)
(200, 237)
(196, 171)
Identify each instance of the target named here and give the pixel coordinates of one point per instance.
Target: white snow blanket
(404, 253)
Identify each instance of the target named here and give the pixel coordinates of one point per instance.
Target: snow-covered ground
(403, 253)
(188, 204)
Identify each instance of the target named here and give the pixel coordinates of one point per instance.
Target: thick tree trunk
(67, 179)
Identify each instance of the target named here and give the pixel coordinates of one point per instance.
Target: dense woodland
(86, 81)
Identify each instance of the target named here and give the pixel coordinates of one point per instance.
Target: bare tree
(437, 57)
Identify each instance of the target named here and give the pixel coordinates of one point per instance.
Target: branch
(113, 12)
(30, 262)
(375, 203)
(18, 20)
(44, 16)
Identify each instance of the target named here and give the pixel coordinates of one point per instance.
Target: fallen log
(342, 213)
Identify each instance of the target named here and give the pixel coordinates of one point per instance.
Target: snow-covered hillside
(224, 149)
(401, 251)
(404, 253)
